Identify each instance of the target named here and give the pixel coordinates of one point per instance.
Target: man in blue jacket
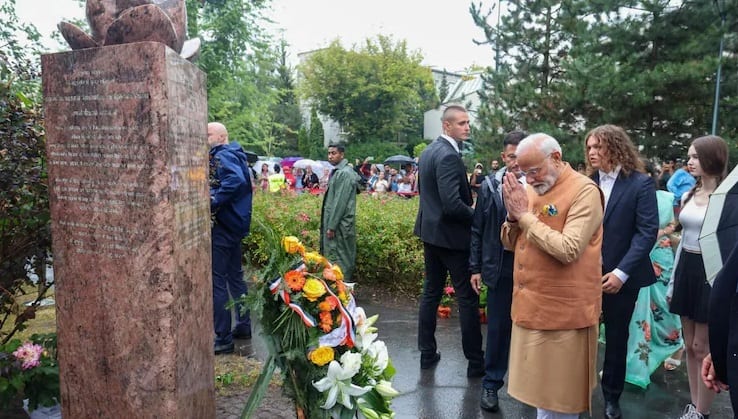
(230, 209)
(490, 263)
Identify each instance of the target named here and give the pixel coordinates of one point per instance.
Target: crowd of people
(375, 179)
(569, 257)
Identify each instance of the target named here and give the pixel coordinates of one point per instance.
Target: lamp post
(720, 6)
(497, 39)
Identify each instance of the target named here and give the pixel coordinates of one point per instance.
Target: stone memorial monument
(126, 130)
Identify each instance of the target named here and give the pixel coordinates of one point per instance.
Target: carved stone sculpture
(115, 22)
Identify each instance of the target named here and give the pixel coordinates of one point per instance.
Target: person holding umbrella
(708, 162)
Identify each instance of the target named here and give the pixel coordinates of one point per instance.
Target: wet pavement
(446, 393)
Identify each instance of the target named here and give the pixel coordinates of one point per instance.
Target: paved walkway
(446, 393)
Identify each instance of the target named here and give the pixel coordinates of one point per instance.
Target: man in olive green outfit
(338, 216)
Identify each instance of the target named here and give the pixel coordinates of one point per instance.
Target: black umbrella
(399, 159)
(720, 228)
(251, 157)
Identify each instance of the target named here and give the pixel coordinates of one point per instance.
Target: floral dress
(655, 333)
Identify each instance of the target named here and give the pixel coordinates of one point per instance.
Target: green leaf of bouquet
(348, 413)
(260, 387)
(390, 371)
(374, 400)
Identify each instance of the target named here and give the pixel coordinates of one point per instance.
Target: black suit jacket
(487, 255)
(723, 318)
(630, 226)
(445, 213)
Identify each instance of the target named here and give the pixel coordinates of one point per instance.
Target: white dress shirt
(607, 181)
(453, 142)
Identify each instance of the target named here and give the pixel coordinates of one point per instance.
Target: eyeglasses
(535, 171)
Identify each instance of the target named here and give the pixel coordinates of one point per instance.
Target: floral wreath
(327, 349)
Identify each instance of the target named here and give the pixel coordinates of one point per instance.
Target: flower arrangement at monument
(326, 347)
(29, 370)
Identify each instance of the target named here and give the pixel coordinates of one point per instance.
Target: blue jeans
(227, 282)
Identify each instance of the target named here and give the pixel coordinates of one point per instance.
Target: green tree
(25, 234)
(286, 115)
(377, 92)
(524, 92)
(316, 136)
(19, 49)
(650, 67)
(239, 60)
(443, 87)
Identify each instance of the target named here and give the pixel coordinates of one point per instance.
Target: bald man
(230, 208)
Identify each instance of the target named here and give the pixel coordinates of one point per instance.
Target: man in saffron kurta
(555, 229)
(338, 215)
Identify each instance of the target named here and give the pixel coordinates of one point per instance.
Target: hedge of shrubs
(388, 254)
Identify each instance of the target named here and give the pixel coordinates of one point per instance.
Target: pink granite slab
(127, 161)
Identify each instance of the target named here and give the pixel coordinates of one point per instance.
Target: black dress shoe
(238, 334)
(429, 361)
(489, 401)
(227, 348)
(612, 410)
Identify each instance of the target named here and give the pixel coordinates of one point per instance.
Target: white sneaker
(690, 412)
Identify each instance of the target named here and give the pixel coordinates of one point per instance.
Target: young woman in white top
(381, 185)
(708, 162)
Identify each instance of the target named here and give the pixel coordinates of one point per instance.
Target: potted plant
(29, 373)
(444, 309)
(483, 304)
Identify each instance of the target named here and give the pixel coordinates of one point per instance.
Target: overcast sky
(442, 31)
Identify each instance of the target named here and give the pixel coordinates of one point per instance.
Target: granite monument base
(126, 130)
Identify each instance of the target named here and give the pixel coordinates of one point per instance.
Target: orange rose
(333, 301)
(329, 274)
(333, 273)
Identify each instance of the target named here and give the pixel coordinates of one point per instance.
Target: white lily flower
(384, 388)
(365, 334)
(364, 340)
(338, 381)
(377, 351)
(367, 412)
(371, 320)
